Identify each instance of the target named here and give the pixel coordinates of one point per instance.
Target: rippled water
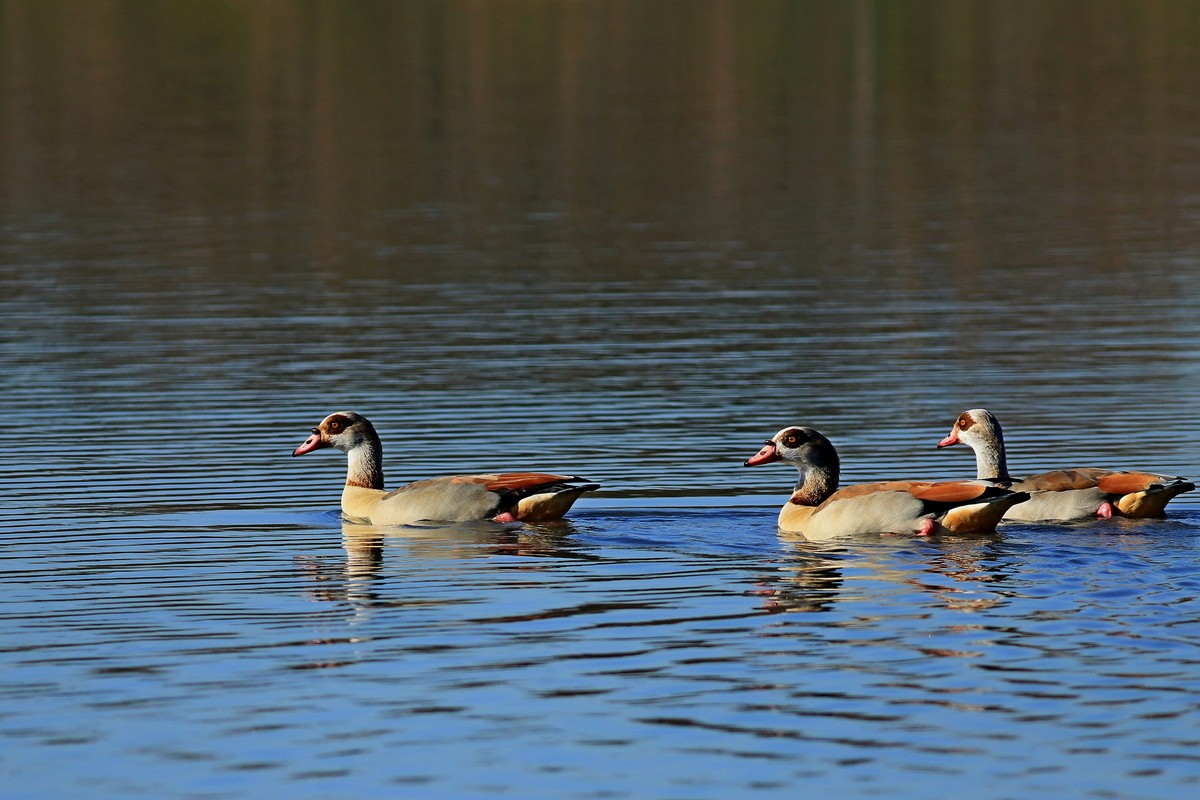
(627, 241)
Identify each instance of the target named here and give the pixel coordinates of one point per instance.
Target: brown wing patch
(1128, 482)
(949, 492)
(861, 489)
(516, 481)
(1063, 480)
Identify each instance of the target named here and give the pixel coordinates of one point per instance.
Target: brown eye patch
(791, 440)
(336, 424)
(965, 422)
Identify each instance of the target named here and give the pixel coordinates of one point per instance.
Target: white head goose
(504, 497)
(1064, 494)
(819, 510)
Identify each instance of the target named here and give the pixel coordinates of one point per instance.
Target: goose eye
(790, 440)
(335, 426)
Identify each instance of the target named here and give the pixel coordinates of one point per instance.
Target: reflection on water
(811, 579)
(628, 241)
(349, 579)
(814, 576)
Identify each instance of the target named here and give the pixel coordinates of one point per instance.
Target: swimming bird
(1063, 494)
(819, 509)
(501, 497)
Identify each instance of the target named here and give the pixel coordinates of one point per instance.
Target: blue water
(594, 239)
(674, 651)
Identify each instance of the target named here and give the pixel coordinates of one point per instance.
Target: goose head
(977, 428)
(813, 456)
(801, 447)
(343, 430)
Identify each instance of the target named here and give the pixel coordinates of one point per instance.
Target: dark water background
(627, 240)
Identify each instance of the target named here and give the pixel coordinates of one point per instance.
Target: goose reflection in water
(813, 577)
(810, 579)
(351, 579)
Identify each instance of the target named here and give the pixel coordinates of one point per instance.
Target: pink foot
(927, 527)
(1105, 511)
(505, 516)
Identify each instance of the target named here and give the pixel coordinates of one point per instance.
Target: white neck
(990, 462)
(364, 465)
(815, 484)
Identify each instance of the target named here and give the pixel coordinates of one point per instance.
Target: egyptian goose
(819, 510)
(504, 497)
(1064, 494)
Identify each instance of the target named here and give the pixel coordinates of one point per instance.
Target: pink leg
(504, 516)
(1106, 510)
